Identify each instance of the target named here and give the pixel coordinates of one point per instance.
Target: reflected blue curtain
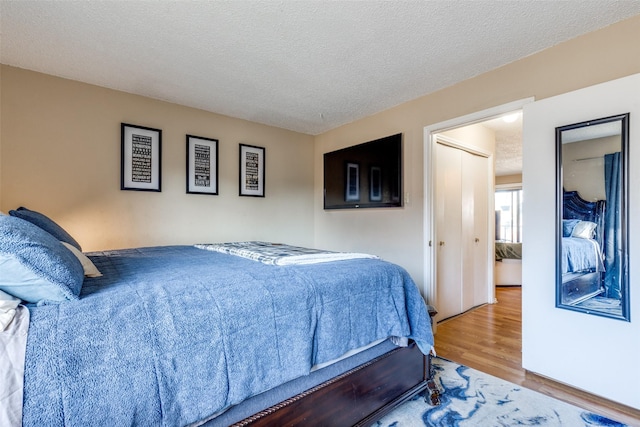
(612, 226)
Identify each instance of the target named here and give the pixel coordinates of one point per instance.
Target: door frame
(429, 221)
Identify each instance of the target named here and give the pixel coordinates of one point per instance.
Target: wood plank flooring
(489, 339)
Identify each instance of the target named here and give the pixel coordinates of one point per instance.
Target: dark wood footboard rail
(358, 397)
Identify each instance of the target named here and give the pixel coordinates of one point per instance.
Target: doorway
(431, 241)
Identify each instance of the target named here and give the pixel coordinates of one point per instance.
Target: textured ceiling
(508, 151)
(308, 66)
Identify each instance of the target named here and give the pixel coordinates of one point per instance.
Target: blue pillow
(568, 225)
(35, 266)
(46, 224)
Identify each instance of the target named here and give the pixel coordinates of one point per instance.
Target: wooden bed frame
(581, 287)
(358, 397)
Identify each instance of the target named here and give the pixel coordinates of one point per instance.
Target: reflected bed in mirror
(591, 236)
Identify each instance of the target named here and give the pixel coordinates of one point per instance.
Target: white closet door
(448, 231)
(478, 168)
(467, 247)
(462, 185)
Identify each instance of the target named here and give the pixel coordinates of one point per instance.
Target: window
(509, 215)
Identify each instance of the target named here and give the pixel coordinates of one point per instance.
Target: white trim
(479, 116)
(451, 142)
(429, 287)
(509, 186)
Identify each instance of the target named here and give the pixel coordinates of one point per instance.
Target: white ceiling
(508, 151)
(307, 66)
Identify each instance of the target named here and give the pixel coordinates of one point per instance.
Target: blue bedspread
(172, 335)
(580, 255)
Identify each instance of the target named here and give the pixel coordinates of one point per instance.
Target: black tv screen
(367, 175)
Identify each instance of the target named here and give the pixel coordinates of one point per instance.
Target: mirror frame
(624, 206)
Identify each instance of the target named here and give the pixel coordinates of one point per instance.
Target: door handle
(441, 243)
(477, 240)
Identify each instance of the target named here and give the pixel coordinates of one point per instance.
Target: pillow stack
(579, 229)
(40, 262)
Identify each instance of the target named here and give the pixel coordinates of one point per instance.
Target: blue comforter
(580, 255)
(172, 335)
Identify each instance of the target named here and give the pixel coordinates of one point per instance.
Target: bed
(202, 335)
(508, 264)
(581, 264)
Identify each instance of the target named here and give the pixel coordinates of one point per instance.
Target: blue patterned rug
(471, 398)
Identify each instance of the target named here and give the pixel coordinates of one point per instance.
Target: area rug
(470, 398)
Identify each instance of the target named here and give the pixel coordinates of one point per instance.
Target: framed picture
(352, 187)
(141, 158)
(375, 184)
(251, 170)
(202, 165)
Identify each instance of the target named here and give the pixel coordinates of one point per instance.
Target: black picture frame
(141, 158)
(202, 165)
(252, 171)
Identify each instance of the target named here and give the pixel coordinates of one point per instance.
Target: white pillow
(8, 304)
(584, 230)
(90, 270)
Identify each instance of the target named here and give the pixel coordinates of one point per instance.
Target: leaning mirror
(591, 229)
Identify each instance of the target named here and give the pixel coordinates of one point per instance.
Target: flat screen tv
(367, 175)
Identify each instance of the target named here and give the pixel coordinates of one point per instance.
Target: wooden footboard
(358, 397)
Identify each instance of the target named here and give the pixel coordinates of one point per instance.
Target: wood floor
(488, 339)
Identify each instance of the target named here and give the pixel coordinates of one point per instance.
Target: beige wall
(476, 137)
(509, 179)
(1, 138)
(61, 156)
(397, 234)
(60, 153)
(583, 166)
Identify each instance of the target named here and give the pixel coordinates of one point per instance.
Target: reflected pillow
(90, 270)
(35, 266)
(567, 226)
(46, 223)
(584, 230)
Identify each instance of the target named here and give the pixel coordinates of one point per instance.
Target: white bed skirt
(508, 272)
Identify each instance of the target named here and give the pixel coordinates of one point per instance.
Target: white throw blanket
(13, 343)
(280, 254)
(8, 305)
